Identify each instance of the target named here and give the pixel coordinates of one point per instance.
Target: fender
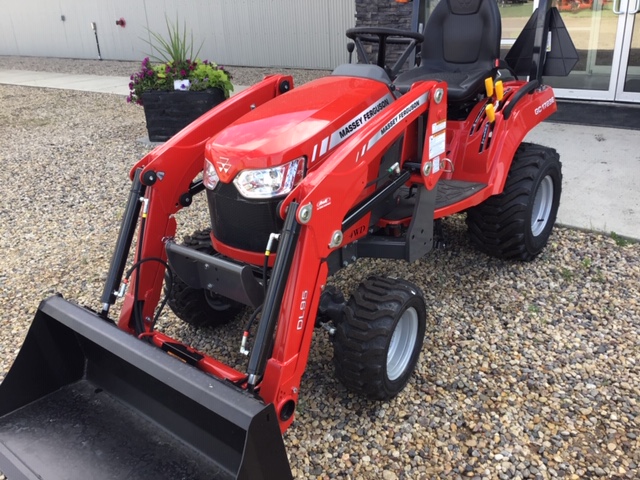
(485, 150)
(524, 114)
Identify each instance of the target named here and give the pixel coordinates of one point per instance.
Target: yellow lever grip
(490, 110)
(488, 85)
(499, 90)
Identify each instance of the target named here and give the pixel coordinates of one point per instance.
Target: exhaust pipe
(84, 399)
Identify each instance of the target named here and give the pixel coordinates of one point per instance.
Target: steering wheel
(384, 37)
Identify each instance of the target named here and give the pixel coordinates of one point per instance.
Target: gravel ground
(528, 370)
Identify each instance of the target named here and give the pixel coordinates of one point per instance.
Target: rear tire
(517, 223)
(378, 341)
(200, 307)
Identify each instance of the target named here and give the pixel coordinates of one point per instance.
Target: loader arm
(168, 173)
(101, 398)
(325, 198)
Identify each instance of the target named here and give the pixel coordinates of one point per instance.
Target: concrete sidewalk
(601, 166)
(601, 176)
(66, 81)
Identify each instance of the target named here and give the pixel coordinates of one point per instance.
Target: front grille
(242, 223)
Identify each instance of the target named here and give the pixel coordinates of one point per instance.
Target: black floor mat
(597, 115)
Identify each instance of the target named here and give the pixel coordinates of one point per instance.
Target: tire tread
(360, 343)
(498, 226)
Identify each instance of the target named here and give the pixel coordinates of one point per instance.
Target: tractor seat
(461, 47)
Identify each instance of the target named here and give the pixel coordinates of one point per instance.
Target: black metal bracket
(214, 273)
(420, 231)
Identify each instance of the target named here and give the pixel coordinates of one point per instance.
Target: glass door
(606, 34)
(608, 47)
(593, 27)
(628, 81)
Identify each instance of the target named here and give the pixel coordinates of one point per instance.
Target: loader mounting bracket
(214, 273)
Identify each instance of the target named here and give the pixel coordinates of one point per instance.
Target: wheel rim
(402, 344)
(542, 204)
(215, 301)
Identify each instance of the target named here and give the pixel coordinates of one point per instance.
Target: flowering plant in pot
(189, 75)
(178, 87)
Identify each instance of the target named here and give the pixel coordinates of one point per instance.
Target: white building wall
(275, 33)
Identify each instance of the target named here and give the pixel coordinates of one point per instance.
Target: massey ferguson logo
(224, 165)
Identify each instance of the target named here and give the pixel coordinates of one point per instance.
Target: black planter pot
(169, 112)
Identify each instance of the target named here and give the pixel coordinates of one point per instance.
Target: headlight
(210, 177)
(270, 182)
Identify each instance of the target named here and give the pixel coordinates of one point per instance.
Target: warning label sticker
(438, 126)
(437, 144)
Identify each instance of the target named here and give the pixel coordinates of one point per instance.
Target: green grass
(621, 241)
(566, 274)
(598, 277)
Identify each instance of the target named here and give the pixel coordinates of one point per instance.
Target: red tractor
(300, 182)
(577, 5)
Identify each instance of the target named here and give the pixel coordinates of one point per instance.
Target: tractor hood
(308, 121)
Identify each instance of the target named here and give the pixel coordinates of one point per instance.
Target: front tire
(378, 341)
(200, 307)
(517, 223)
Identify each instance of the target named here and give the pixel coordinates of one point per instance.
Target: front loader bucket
(85, 400)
